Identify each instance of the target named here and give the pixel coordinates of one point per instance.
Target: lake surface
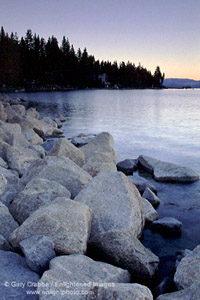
(164, 124)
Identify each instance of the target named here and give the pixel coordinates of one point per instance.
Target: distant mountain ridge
(181, 83)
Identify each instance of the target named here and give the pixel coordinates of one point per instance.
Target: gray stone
(3, 183)
(7, 223)
(151, 197)
(167, 172)
(141, 183)
(124, 250)
(3, 115)
(41, 128)
(63, 148)
(65, 221)
(12, 115)
(50, 122)
(188, 269)
(3, 163)
(19, 109)
(58, 122)
(4, 245)
(82, 140)
(102, 143)
(115, 202)
(38, 192)
(19, 159)
(83, 272)
(127, 166)
(14, 277)
(38, 251)
(3, 149)
(12, 135)
(62, 170)
(190, 293)
(167, 226)
(120, 291)
(94, 167)
(150, 214)
(32, 137)
(32, 113)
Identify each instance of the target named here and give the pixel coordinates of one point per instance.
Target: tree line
(32, 62)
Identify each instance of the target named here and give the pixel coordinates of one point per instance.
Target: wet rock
(38, 251)
(62, 170)
(127, 166)
(190, 293)
(65, 221)
(151, 197)
(167, 226)
(188, 269)
(7, 223)
(38, 192)
(13, 271)
(79, 269)
(63, 148)
(4, 245)
(141, 183)
(150, 214)
(167, 172)
(82, 140)
(124, 250)
(108, 194)
(121, 291)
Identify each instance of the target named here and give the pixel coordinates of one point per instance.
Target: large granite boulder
(38, 192)
(150, 214)
(124, 250)
(120, 291)
(102, 143)
(188, 269)
(97, 164)
(167, 172)
(62, 170)
(7, 223)
(127, 166)
(190, 293)
(65, 221)
(17, 281)
(151, 197)
(20, 159)
(115, 202)
(81, 270)
(142, 183)
(38, 251)
(63, 148)
(167, 226)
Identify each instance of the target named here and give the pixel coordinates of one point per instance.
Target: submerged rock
(167, 226)
(127, 166)
(167, 172)
(81, 270)
(115, 202)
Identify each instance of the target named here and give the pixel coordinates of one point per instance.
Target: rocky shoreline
(72, 218)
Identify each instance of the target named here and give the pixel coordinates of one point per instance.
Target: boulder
(115, 202)
(82, 140)
(32, 137)
(3, 163)
(32, 113)
(19, 159)
(127, 166)
(41, 128)
(38, 192)
(12, 115)
(94, 167)
(142, 183)
(15, 276)
(122, 249)
(58, 122)
(3, 183)
(120, 291)
(50, 122)
(63, 148)
(190, 293)
(12, 135)
(4, 245)
(7, 223)
(102, 143)
(188, 269)
(3, 149)
(167, 172)
(65, 221)
(38, 251)
(150, 214)
(3, 115)
(151, 197)
(167, 226)
(19, 109)
(83, 272)
(62, 170)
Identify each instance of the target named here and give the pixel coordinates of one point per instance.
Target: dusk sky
(152, 32)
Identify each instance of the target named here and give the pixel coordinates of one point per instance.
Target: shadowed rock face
(167, 172)
(127, 166)
(82, 270)
(115, 202)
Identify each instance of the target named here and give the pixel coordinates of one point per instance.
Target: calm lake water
(164, 124)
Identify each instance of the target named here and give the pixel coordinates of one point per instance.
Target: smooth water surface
(160, 123)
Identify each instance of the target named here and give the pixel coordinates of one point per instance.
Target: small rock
(141, 183)
(150, 214)
(82, 140)
(38, 251)
(127, 166)
(151, 197)
(167, 226)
